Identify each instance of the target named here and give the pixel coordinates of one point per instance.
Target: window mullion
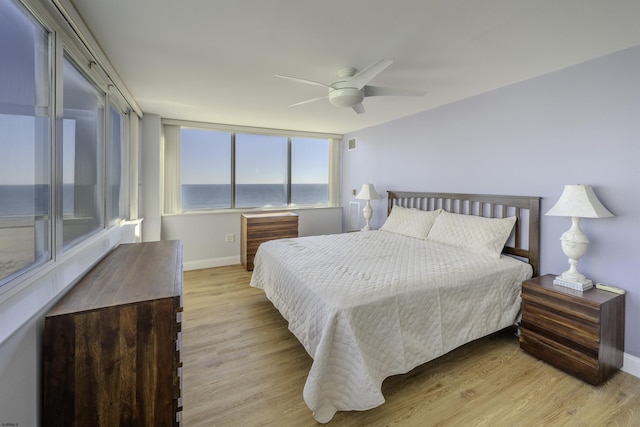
(57, 144)
(289, 171)
(106, 161)
(233, 170)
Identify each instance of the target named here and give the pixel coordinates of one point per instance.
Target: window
(64, 180)
(222, 169)
(205, 169)
(261, 170)
(83, 130)
(309, 171)
(25, 129)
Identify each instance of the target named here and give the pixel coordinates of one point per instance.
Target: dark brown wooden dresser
(262, 227)
(112, 344)
(581, 333)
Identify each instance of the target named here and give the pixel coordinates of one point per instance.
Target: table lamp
(368, 192)
(577, 201)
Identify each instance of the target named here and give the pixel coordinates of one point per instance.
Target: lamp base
(582, 285)
(368, 213)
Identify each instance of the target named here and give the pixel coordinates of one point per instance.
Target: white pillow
(410, 221)
(483, 235)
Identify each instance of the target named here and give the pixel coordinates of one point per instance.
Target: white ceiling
(214, 61)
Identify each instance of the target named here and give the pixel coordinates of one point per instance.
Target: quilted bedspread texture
(368, 305)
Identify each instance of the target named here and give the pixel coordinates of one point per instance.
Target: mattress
(368, 305)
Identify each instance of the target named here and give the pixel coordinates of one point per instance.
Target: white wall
(580, 125)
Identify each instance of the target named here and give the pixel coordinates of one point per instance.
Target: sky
(261, 159)
(18, 143)
(17, 149)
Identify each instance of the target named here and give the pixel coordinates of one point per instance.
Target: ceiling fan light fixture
(346, 97)
(351, 90)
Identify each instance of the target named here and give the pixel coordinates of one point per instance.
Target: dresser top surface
(130, 273)
(269, 215)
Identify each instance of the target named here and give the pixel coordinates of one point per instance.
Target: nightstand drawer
(561, 324)
(568, 359)
(562, 303)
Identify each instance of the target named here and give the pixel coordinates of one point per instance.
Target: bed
(444, 270)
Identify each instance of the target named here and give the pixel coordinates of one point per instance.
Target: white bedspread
(369, 305)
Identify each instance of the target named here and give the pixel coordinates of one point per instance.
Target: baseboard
(631, 365)
(212, 262)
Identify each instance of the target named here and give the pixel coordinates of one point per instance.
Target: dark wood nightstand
(581, 333)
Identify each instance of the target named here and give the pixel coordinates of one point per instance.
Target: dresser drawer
(274, 225)
(261, 236)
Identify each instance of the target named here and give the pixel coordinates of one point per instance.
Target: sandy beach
(17, 245)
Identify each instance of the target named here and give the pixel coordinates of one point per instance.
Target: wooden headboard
(525, 240)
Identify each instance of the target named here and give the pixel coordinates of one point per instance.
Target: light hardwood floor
(242, 367)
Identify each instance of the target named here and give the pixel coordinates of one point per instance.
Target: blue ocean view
(24, 200)
(203, 196)
(33, 200)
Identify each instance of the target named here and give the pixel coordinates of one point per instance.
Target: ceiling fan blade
(299, 80)
(308, 101)
(366, 75)
(359, 108)
(387, 91)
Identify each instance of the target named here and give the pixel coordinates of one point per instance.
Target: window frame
(123, 199)
(98, 202)
(171, 165)
(8, 282)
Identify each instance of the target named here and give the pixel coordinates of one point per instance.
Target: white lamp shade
(580, 201)
(368, 192)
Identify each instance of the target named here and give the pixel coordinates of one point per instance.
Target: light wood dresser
(112, 344)
(581, 333)
(262, 227)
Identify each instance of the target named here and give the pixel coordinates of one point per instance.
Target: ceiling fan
(351, 89)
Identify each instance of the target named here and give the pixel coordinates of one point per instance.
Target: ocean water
(195, 197)
(24, 200)
(33, 200)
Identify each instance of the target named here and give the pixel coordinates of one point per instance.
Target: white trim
(354, 216)
(211, 262)
(631, 365)
(71, 15)
(249, 129)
